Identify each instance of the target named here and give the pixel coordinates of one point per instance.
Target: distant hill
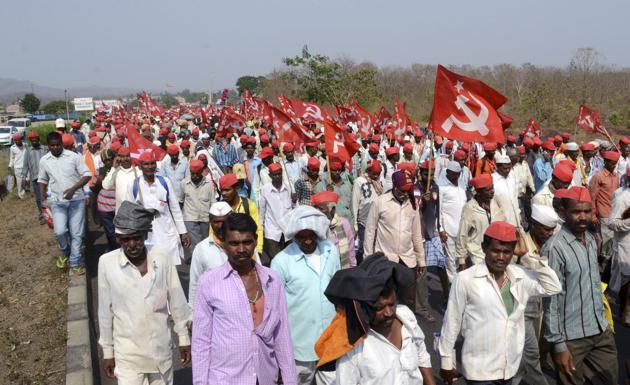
(10, 89)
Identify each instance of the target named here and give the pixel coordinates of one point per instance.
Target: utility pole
(65, 96)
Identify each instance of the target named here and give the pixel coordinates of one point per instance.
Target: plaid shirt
(225, 159)
(304, 188)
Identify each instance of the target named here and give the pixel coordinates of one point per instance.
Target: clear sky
(197, 43)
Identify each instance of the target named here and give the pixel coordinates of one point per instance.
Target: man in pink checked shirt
(241, 332)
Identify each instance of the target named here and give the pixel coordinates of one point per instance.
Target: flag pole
(328, 168)
(431, 155)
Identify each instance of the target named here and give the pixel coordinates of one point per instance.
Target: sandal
(62, 262)
(78, 271)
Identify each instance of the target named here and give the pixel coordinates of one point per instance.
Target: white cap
(60, 123)
(205, 135)
(219, 209)
(572, 146)
(503, 159)
(454, 166)
(157, 142)
(545, 215)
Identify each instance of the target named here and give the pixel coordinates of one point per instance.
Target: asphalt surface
(96, 246)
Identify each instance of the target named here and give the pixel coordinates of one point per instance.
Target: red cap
(522, 133)
(274, 167)
(171, 135)
(95, 140)
(587, 147)
(560, 193)
(17, 136)
(67, 140)
(264, 139)
(115, 139)
(313, 164)
(262, 131)
(566, 135)
(91, 133)
(465, 147)
(438, 139)
(163, 131)
(491, 146)
(537, 141)
(228, 180)
(567, 163)
(425, 165)
(312, 143)
(501, 231)
(243, 138)
(373, 147)
(557, 138)
(563, 173)
(408, 148)
(520, 149)
(172, 149)
(196, 165)
(251, 140)
(122, 150)
(324, 197)
(549, 146)
(392, 150)
(32, 134)
(578, 193)
(195, 131)
(407, 166)
(528, 142)
(511, 138)
(374, 166)
(266, 153)
(147, 156)
(288, 147)
(376, 138)
(184, 144)
(459, 155)
(336, 165)
(624, 140)
(275, 144)
(611, 155)
(482, 181)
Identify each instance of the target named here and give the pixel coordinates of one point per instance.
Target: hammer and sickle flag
(465, 109)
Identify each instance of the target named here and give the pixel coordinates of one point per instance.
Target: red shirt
(601, 187)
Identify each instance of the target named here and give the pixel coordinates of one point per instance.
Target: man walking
(275, 203)
(17, 153)
(486, 299)
(62, 175)
(138, 293)
(305, 268)
(30, 170)
(366, 188)
(583, 346)
(241, 330)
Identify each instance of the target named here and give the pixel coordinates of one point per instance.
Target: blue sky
(196, 44)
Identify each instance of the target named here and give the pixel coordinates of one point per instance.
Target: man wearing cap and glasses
(582, 343)
(486, 304)
(138, 293)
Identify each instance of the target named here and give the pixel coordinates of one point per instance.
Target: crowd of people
(305, 269)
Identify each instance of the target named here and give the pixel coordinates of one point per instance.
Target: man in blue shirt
(543, 166)
(306, 267)
(225, 154)
(175, 170)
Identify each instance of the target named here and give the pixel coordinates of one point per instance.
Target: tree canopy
(30, 103)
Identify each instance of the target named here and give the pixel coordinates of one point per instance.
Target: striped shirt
(578, 311)
(225, 158)
(304, 188)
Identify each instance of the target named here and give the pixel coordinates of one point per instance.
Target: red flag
(400, 120)
(382, 118)
(506, 120)
(346, 114)
(231, 121)
(263, 112)
(466, 109)
(534, 127)
(286, 129)
(204, 116)
(139, 144)
(339, 143)
(590, 120)
(287, 107)
(356, 114)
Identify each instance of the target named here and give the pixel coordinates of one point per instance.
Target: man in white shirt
(452, 199)
(16, 163)
(209, 253)
(121, 175)
(292, 166)
(392, 350)
(154, 191)
(506, 190)
(365, 189)
(274, 202)
(393, 156)
(486, 304)
(138, 292)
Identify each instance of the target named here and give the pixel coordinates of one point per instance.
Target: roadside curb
(79, 348)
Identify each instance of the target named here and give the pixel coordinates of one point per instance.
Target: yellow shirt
(253, 212)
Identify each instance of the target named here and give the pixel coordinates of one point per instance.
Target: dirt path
(33, 296)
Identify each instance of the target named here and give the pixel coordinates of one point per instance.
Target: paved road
(183, 376)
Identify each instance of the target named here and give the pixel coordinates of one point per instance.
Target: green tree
(54, 107)
(30, 103)
(251, 83)
(167, 100)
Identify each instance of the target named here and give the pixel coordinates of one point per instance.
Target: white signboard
(107, 103)
(83, 104)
